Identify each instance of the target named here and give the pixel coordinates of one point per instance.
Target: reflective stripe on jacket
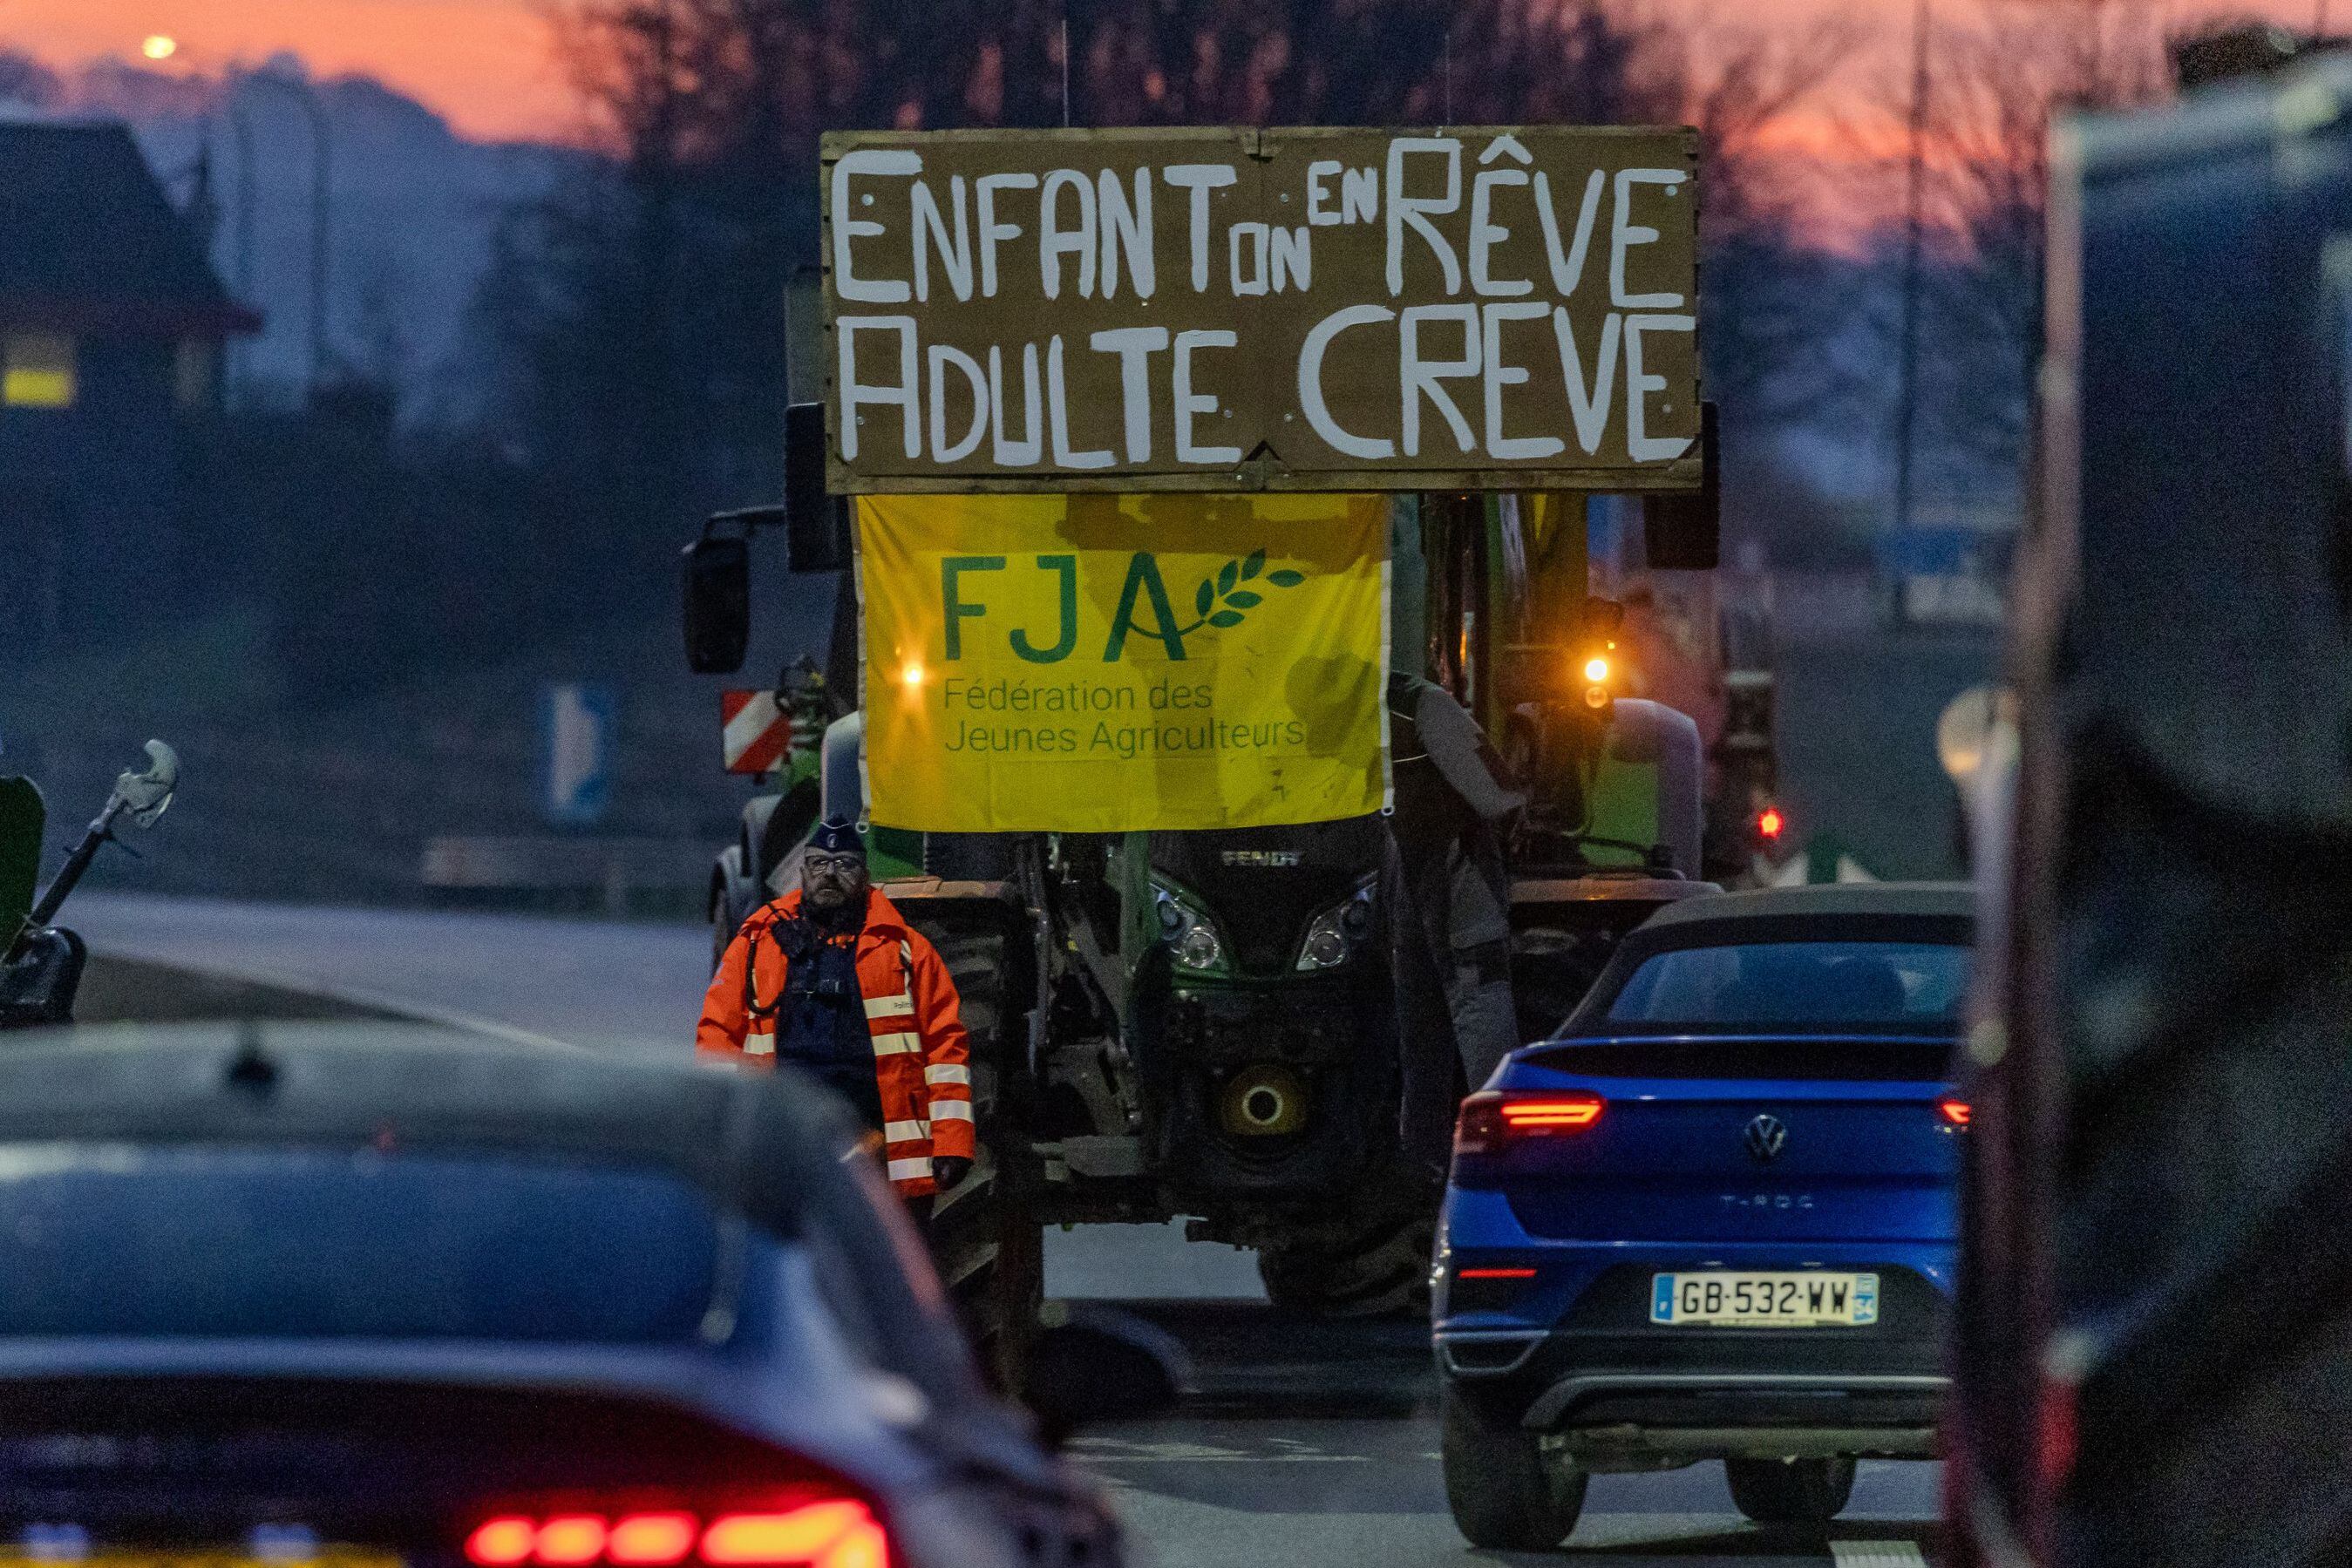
(920, 1061)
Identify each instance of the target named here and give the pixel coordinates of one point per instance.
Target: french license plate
(1806, 1300)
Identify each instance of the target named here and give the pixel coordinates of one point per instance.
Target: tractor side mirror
(146, 796)
(816, 526)
(718, 604)
(1684, 533)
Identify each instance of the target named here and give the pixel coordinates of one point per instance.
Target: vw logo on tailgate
(1766, 1136)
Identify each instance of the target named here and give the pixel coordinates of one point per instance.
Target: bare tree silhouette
(1995, 87)
(638, 318)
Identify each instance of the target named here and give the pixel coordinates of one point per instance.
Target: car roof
(762, 1145)
(1928, 900)
(1859, 911)
(775, 1148)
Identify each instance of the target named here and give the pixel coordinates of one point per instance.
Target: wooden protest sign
(1244, 310)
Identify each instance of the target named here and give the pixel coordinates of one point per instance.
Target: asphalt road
(1306, 1444)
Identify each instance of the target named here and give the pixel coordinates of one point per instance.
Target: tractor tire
(1504, 1492)
(984, 1239)
(1790, 1491)
(1381, 1270)
(731, 902)
(723, 927)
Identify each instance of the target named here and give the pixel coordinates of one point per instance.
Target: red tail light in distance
(832, 1532)
(1955, 1113)
(1491, 1123)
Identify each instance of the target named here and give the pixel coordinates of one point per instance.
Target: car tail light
(571, 1540)
(1488, 1287)
(652, 1539)
(828, 1534)
(1491, 1123)
(502, 1542)
(821, 1532)
(1955, 1111)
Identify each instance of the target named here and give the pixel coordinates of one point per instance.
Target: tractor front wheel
(984, 1236)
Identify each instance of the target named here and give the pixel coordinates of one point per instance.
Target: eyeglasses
(842, 864)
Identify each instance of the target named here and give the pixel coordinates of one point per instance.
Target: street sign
(577, 731)
(1240, 309)
(754, 731)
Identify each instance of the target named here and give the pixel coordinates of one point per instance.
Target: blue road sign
(577, 726)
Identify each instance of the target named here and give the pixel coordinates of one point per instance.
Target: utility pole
(204, 211)
(1914, 227)
(322, 191)
(241, 127)
(322, 232)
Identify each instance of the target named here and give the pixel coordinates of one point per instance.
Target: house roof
(88, 242)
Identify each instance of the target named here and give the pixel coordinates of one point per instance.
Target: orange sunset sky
(487, 64)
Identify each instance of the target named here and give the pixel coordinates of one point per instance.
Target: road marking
(401, 1007)
(1876, 1554)
(1122, 1451)
(1225, 1459)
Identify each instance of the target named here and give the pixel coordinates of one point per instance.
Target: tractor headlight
(1332, 935)
(1191, 936)
(1325, 947)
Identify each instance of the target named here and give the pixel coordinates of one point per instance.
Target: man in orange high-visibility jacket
(832, 979)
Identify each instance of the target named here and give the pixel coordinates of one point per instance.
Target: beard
(845, 914)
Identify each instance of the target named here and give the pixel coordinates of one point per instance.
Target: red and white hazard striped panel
(755, 732)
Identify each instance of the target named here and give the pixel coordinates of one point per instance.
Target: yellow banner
(1106, 663)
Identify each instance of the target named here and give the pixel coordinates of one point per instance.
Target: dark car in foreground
(1712, 1218)
(392, 1298)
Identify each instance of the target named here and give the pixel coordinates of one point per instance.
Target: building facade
(111, 328)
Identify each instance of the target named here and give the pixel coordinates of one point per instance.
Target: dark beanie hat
(837, 836)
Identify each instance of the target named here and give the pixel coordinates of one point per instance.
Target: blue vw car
(1712, 1218)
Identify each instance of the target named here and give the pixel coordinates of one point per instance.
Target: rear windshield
(317, 1244)
(1847, 986)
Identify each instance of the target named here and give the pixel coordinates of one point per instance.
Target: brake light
(826, 1534)
(1770, 824)
(1955, 1112)
(1493, 1122)
(1581, 1111)
(502, 1542)
(569, 1540)
(1495, 1274)
(652, 1539)
(832, 1532)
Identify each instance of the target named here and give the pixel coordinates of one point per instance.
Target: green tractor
(1203, 1023)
